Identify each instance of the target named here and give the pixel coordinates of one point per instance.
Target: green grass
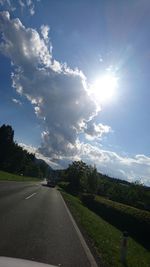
(5, 176)
(106, 238)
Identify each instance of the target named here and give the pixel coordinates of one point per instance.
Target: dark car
(51, 183)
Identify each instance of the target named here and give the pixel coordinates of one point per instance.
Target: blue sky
(51, 55)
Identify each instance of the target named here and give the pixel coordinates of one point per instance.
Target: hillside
(15, 159)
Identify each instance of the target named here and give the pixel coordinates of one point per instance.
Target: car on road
(51, 183)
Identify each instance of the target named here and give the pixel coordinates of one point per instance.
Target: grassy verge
(124, 217)
(5, 176)
(106, 238)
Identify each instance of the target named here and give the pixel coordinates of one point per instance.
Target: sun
(104, 88)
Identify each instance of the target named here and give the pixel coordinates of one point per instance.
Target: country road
(35, 225)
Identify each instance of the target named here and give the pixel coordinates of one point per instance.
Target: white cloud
(12, 5)
(58, 93)
(31, 7)
(34, 150)
(93, 130)
(21, 3)
(8, 4)
(29, 148)
(110, 163)
(17, 101)
(60, 98)
(45, 31)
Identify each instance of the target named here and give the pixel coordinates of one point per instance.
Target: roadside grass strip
(5, 176)
(105, 238)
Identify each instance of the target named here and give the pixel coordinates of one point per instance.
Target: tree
(13, 158)
(82, 178)
(76, 174)
(92, 180)
(6, 135)
(6, 145)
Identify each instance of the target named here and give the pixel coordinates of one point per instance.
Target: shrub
(87, 199)
(124, 217)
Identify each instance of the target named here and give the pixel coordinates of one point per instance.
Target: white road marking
(31, 196)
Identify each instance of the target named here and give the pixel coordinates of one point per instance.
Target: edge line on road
(31, 196)
(82, 240)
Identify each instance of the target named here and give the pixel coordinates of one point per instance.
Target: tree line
(15, 159)
(82, 178)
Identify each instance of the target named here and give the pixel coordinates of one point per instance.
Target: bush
(124, 217)
(87, 199)
(63, 185)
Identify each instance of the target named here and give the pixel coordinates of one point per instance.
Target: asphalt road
(34, 225)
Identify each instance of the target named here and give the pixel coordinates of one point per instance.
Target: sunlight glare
(104, 88)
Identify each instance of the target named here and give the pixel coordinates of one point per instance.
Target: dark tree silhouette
(13, 158)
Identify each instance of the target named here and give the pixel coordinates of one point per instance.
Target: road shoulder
(95, 260)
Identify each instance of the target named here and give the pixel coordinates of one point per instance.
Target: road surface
(34, 225)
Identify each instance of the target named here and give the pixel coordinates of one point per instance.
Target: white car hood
(13, 262)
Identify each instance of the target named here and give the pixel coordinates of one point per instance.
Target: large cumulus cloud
(58, 93)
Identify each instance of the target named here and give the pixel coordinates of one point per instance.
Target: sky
(74, 82)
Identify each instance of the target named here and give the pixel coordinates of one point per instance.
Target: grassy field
(5, 176)
(105, 238)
